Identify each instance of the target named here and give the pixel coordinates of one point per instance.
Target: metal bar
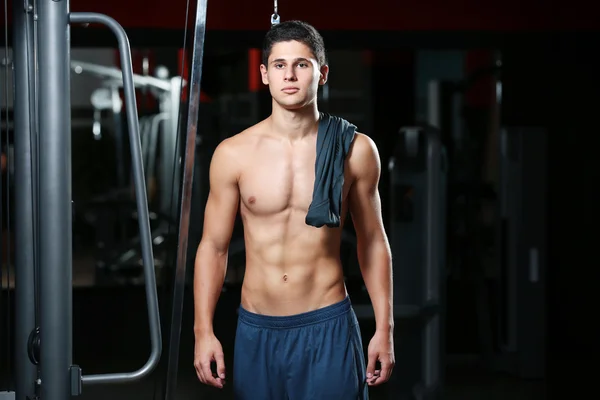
(175, 159)
(103, 71)
(5, 310)
(55, 216)
(152, 143)
(26, 372)
(119, 141)
(145, 124)
(186, 198)
(433, 104)
(434, 235)
(170, 104)
(75, 123)
(434, 208)
(119, 145)
(141, 200)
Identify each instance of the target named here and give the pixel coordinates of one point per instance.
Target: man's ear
(263, 74)
(324, 74)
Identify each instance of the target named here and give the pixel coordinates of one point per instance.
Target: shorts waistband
(296, 320)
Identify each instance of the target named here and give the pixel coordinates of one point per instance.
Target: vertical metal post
(169, 189)
(152, 141)
(186, 197)
(432, 263)
(433, 104)
(24, 94)
(119, 137)
(175, 159)
(434, 275)
(55, 222)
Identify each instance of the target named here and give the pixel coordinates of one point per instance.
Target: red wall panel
(486, 15)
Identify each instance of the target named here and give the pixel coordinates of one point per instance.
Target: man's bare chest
(273, 183)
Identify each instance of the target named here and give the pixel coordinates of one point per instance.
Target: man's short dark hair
(295, 30)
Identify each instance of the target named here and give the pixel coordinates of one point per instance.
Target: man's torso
(291, 267)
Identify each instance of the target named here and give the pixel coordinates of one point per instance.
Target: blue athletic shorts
(316, 355)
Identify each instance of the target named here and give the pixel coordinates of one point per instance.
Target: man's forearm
(375, 261)
(209, 275)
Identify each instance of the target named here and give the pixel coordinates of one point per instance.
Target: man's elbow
(374, 245)
(210, 247)
(383, 251)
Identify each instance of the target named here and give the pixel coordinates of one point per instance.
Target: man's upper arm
(364, 200)
(223, 198)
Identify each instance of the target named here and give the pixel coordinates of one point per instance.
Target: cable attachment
(33, 346)
(275, 19)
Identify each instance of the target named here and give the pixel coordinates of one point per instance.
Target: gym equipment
(27, 305)
(510, 288)
(149, 144)
(522, 249)
(118, 257)
(46, 236)
(186, 197)
(470, 227)
(105, 99)
(417, 239)
(168, 92)
(275, 18)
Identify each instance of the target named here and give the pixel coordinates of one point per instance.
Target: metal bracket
(76, 383)
(275, 19)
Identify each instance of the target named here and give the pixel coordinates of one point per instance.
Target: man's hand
(381, 348)
(208, 350)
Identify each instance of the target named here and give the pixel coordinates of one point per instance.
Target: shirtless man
(297, 335)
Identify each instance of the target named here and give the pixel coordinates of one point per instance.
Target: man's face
(293, 74)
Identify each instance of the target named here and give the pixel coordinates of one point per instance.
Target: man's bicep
(365, 202)
(223, 200)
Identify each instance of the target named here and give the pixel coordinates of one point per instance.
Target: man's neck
(294, 124)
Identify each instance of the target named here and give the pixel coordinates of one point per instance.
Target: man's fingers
(382, 375)
(220, 359)
(371, 365)
(386, 371)
(199, 372)
(373, 378)
(208, 376)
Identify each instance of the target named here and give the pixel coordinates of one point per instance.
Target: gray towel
(334, 137)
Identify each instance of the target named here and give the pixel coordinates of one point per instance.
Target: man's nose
(290, 74)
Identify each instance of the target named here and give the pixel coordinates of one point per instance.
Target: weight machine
(418, 184)
(117, 256)
(509, 286)
(168, 93)
(43, 208)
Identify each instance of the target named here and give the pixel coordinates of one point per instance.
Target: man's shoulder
(363, 158)
(226, 155)
(362, 147)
